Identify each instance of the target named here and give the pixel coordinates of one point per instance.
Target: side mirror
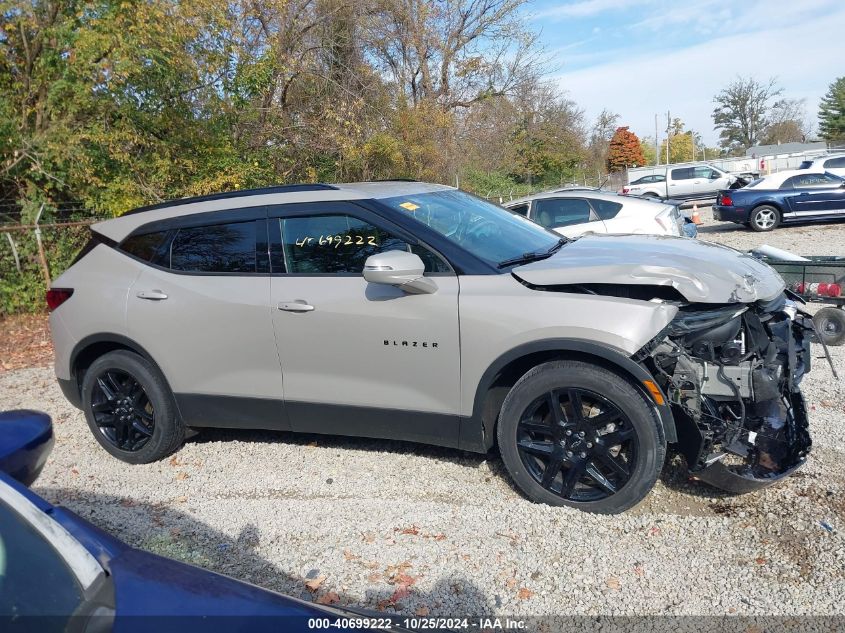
(26, 439)
(401, 269)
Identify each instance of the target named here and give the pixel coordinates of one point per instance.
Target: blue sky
(643, 57)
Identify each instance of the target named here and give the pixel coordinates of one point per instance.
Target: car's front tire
(575, 434)
(130, 409)
(764, 218)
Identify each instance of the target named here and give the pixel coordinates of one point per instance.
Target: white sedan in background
(574, 212)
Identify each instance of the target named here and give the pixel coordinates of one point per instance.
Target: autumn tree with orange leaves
(624, 150)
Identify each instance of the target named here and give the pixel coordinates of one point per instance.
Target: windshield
(487, 231)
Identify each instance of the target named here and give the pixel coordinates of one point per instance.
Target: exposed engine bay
(732, 375)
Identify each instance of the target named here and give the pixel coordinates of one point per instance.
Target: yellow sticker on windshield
(410, 206)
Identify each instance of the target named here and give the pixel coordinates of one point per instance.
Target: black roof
(260, 191)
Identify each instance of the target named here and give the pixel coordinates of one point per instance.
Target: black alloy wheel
(122, 410)
(577, 444)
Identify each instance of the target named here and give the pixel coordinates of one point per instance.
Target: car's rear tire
(600, 451)
(130, 409)
(830, 325)
(764, 218)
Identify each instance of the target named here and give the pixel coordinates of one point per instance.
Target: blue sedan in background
(787, 196)
(58, 572)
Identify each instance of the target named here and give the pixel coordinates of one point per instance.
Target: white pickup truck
(690, 182)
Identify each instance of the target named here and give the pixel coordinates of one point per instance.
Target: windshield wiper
(527, 258)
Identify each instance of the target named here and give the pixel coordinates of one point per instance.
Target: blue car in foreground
(787, 196)
(58, 572)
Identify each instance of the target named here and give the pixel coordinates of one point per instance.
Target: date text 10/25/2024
(419, 623)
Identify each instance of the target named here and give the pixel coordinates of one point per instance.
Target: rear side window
(682, 173)
(835, 162)
(521, 209)
(219, 248)
(811, 181)
(606, 209)
(145, 246)
(553, 213)
(806, 164)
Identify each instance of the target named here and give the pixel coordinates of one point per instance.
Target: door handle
(152, 295)
(296, 306)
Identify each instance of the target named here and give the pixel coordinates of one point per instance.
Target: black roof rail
(260, 191)
(395, 180)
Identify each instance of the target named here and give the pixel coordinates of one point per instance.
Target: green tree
(742, 111)
(680, 148)
(832, 112)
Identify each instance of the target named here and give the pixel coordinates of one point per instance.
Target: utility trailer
(818, 280)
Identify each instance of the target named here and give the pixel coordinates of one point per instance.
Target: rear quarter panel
(100, 283)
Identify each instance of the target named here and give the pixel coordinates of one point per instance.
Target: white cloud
(802, 56)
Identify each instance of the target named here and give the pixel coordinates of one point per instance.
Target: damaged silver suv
(419, 312)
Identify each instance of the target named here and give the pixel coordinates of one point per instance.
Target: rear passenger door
(681, 183)
(200, 309)
(359, 358)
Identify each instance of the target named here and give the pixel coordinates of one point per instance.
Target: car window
(34, 578)
(702, 172)
(805, 164)
(218, 248)
(835, 162)
(479, 227)
(145, 246)
(554, 213)
(605, 209)
(682, 173)
(332, 244)
(521, 209)
(811, 181)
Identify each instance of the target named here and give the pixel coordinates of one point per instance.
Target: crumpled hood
(701, 271)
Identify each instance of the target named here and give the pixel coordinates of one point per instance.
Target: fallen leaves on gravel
(412, 530)
(422, 611)
(181, 476)
(613, 583)
(524, 593)
(314, 584)
(328, 598)
(25, 342)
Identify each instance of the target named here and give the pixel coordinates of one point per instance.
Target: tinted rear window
(144, 246)
(606, 209)
(220, 248)
(683, 173)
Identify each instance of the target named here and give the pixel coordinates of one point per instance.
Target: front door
(815, 196)
(707, 181)
(359, 358)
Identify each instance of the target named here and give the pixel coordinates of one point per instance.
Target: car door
(360, 358)
(707, 181)
(681, 183)
(815, 195)
(199, 308)
(568, 216)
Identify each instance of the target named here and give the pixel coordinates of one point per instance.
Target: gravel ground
(423, 530)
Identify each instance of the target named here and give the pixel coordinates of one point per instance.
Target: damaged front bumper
(732, 376)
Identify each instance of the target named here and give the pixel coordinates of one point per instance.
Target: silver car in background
(574, 212)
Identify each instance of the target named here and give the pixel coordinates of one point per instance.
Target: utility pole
(668, 133)
(656, 143)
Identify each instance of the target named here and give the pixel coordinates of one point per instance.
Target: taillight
(57, 296)
(725, 200)
(625, 191)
